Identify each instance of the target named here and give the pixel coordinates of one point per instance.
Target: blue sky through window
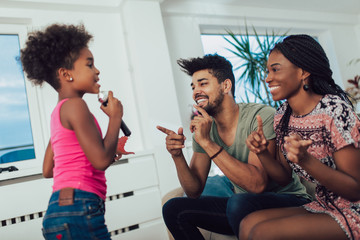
(15, 127)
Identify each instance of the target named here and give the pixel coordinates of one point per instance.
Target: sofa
(208, 235)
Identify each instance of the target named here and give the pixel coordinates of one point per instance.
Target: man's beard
(215, 107)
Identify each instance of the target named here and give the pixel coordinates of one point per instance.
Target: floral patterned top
(331, 125)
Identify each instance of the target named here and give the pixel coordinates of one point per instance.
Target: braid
(283, 126)
(306, 53)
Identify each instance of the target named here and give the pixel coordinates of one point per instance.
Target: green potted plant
(253, 63)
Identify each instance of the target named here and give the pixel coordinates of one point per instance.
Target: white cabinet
(133, 203)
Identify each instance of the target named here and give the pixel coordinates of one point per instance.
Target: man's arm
(250, 176)
(192, 178)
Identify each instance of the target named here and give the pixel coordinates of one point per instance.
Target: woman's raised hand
(256, 141)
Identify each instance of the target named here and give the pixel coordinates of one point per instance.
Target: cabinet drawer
(131, 174)
(25, 198)
(143, 206)
(150, 230)
(23, 230)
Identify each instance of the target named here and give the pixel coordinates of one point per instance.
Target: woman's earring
(306, 87)
(71, 79)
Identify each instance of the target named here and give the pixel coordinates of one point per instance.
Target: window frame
(30, 166)
(241, 97)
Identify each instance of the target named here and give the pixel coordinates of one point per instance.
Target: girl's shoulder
(75, 103)
(74, 108)
(75, 112)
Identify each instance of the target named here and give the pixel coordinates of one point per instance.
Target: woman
(317, 137)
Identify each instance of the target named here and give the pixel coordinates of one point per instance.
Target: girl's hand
(114, 107)
(117, 156)
(297, 148)
(256, 141)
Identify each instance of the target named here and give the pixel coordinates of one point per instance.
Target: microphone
(125, 129)
(103, 99)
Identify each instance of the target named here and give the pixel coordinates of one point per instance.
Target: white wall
(153, 80)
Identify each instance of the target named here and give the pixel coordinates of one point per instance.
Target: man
(219, 134)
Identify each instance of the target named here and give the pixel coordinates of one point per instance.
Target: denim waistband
(78, 195)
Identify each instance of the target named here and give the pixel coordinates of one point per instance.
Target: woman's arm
(270, 155)
(276, 166)
(344, 180)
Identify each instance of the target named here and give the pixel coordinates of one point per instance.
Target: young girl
(318, 137)
(77, 155)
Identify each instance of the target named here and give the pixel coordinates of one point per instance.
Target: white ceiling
(333, 6)
(71, 3)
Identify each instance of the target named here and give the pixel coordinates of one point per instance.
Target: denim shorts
(82, 220)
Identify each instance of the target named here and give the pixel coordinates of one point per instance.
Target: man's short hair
(218, 66)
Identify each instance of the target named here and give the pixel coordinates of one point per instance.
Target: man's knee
(169, 209)
(238, 207)
(175, 207)
(239, 203)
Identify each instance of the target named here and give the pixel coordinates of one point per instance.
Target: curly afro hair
(58, 46)
(218, 66)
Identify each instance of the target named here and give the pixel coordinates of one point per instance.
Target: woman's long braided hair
(306, 53)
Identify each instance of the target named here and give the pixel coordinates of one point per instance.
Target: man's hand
(297, 148)
(256, 141)
(174, 141)
(201, 125)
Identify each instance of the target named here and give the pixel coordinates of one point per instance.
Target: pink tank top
(72, 168)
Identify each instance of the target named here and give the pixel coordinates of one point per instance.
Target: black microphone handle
(123, 126)
(125, 129)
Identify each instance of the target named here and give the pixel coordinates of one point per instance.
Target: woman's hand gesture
(296, 148)
(256, 141)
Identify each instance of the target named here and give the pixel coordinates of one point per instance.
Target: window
(16, 142)
(244, 92)
(21, 138)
